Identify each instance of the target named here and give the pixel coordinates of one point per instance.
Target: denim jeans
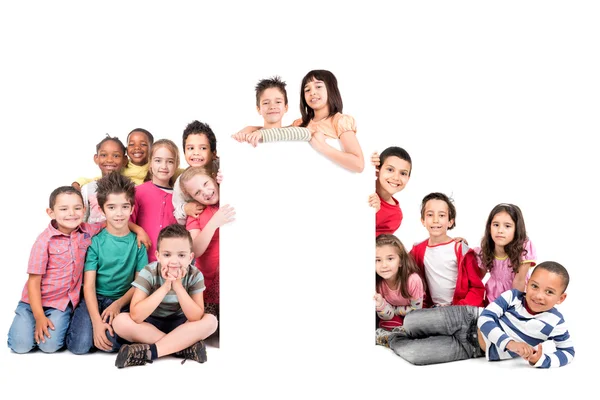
(437, 335)
(20, 334)
(80, 336)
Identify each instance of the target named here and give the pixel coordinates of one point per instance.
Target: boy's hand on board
(254, 138)
(374, 201)
(375, 160)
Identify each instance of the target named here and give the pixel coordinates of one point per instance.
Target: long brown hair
(408, 266)
(515, 249)
(334, 98)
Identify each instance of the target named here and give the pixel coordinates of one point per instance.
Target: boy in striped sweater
(514, 325)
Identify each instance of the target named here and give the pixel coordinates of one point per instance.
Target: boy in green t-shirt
(112, 262)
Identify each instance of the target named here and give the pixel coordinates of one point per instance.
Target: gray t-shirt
(149, 280)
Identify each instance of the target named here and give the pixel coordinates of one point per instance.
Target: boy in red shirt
(449, 267)
(392, 177)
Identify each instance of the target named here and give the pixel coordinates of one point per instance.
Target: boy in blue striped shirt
(514, 325)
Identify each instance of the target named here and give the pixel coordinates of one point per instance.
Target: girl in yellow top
(138, 145)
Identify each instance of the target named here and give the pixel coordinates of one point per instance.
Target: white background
(495, 102)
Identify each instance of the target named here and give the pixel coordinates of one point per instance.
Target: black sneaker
(196, 352)
(133, 354)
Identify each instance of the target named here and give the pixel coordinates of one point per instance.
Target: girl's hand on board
(317, 141)
(225, 215)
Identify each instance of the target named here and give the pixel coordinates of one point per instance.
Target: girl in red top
(198, 184)
(395, 166)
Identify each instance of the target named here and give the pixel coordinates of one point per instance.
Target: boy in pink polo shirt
(55, 274)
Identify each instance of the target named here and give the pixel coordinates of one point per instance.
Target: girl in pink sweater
(153, 209)
(399, 287)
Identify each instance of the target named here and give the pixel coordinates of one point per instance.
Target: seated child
(110, 156)
(167, 309)
(399, 288)
(198, 184)
(514, 325)
(55, 271)
(199, 150)
(392, 177)
(113, 261)
(449, 267)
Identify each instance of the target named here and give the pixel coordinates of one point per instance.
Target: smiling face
(117, 210)
(203, 189)
(137, 148)
(110, 157)
(174, 253)
(162, 165)
(272, 107)
(393, 176)
(315, 95)
(544, 290)
(68, 211)
(502, 229)
(387, 263)
(436, 220)
(197, 150)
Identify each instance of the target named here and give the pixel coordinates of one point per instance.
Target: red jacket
(469, 287)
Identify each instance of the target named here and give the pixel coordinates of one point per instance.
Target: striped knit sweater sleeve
(292, 133)
(386, 311)
(415, 304)
(507, 319)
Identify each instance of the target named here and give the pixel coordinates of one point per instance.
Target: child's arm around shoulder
(202, 237)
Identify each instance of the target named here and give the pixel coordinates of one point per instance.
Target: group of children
(144, 239)
(141, 242)
(430, 300)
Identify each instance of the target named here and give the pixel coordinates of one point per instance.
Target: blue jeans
(20, 334)
(438, 335)
(80, 336)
